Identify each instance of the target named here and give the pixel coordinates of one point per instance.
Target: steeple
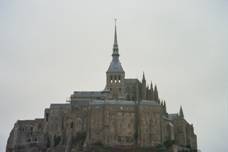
(181, 113)
(115, 45)
(151, 91)
(143, 78)
(156, 97)
(115, 74)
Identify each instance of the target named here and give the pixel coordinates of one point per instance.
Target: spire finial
(115, 19)
(115, 45)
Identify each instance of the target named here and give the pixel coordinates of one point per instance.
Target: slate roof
(115, 66)
(173, 116)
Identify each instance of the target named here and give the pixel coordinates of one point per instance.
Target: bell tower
(115, 74)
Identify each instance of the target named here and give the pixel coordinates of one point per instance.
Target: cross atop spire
(115, 45)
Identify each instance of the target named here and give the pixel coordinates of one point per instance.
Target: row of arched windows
(115, 79)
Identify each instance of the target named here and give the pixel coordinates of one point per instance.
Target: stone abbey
(126, 115)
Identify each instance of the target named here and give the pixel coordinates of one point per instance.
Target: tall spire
(115, 45)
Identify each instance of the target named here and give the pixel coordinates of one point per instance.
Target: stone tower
(115, 74)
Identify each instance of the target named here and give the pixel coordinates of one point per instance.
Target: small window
(115, 77)
(119, 77)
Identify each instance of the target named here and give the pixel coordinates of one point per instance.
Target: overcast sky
(49, 48)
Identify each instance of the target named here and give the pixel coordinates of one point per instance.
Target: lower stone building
(127, 114)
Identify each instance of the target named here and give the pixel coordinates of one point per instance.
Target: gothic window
(119, 77)
(115, 79)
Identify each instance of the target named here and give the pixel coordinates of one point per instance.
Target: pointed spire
(115, 37)
(143, 79)
(143, 88)
(181, 113)
(156, 97)
(115, 45)
(151, 91)
(151, 86)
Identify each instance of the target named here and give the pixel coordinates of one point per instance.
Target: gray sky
(49, 48)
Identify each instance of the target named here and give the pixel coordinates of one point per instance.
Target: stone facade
(126, 113)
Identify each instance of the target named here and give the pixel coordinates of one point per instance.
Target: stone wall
(107, 122)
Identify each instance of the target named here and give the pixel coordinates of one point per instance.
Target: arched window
(111, 79)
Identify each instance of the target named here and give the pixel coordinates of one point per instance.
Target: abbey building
(127, 114)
